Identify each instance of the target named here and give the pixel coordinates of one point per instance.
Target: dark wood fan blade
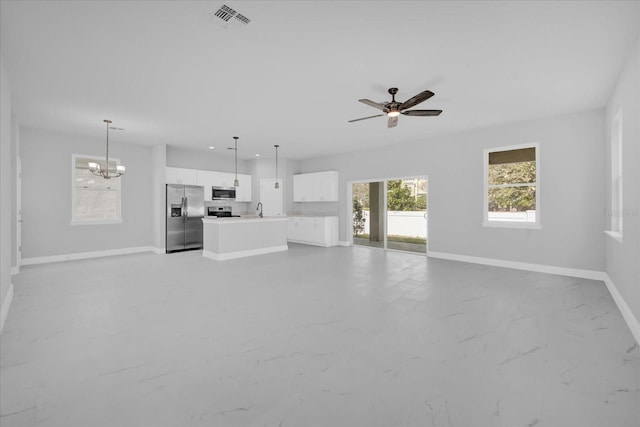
(422, 96)
(365, 118)
(369, 102)
(422, 112)
(393, 122)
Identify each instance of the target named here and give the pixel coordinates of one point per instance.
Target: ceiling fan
(394, 108)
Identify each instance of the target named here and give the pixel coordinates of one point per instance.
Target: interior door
(271, 197)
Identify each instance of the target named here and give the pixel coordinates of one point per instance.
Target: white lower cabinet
(319, 231)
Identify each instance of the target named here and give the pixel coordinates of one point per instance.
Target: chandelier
(95, 167)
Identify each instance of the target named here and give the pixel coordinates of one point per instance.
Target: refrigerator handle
(184, 206)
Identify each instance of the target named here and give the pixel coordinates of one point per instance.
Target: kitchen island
(229, 238)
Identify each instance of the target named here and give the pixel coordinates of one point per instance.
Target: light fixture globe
(393, 113)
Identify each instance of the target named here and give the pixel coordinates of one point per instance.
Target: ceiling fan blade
(377, 105)
(422, 96)
(422, 112)
(393, 122)
(365, 118)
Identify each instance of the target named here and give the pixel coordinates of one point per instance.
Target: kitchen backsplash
(238, 208)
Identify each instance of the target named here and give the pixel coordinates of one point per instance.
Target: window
(511, 187)
(94, 200)
(616, 211)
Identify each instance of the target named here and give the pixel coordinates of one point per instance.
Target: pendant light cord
(107, 165)
(276, 185)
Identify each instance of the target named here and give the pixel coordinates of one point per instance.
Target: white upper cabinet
(301, 188)
(205, 178)
(223, 179)
(181, 176)
(208, 179)
(316, 187)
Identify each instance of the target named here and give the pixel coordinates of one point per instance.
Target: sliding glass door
(391, 214)
(407, 215)
(368, 214)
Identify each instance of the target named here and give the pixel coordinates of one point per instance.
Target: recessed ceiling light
(257, 155)
(212, 148)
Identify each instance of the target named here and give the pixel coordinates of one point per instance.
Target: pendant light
(277, 185)
(236, 183)
(95, 167)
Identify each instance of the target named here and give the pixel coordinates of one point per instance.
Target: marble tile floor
(312, 337)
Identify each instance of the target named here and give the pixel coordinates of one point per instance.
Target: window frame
(96, 221)
(510, 224)
(616, 206)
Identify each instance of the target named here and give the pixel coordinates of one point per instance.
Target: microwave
(223, 193)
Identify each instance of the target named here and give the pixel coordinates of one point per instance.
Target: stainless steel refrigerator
(185, 210)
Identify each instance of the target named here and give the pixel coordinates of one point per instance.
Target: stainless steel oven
(220, 212)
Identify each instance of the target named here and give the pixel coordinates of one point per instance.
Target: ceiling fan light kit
(394, 108)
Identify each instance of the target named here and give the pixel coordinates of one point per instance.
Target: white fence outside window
(414, 224)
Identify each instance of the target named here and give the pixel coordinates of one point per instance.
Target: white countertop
(312, 216)
(242, 219)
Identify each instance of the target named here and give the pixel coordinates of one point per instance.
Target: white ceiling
(170, 72)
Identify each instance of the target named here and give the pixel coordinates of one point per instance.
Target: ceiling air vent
(243, 19)
(225, 13)
(228, 15)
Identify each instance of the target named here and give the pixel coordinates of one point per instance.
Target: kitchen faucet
(259, 207)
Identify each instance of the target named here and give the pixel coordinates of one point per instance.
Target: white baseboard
(343, 243)
(627, 314)
(159, 251)
(241, 254)
(85, 255)
(540, 268)
(4, 311)
(306, 242)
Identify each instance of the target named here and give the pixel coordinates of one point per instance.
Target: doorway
(390, 214)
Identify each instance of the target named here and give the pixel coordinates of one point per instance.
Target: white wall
(221, 160)
(623, 259)
(159, 161)
(46, 196)
(15, 144)
(6, 199)
(571, 174)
